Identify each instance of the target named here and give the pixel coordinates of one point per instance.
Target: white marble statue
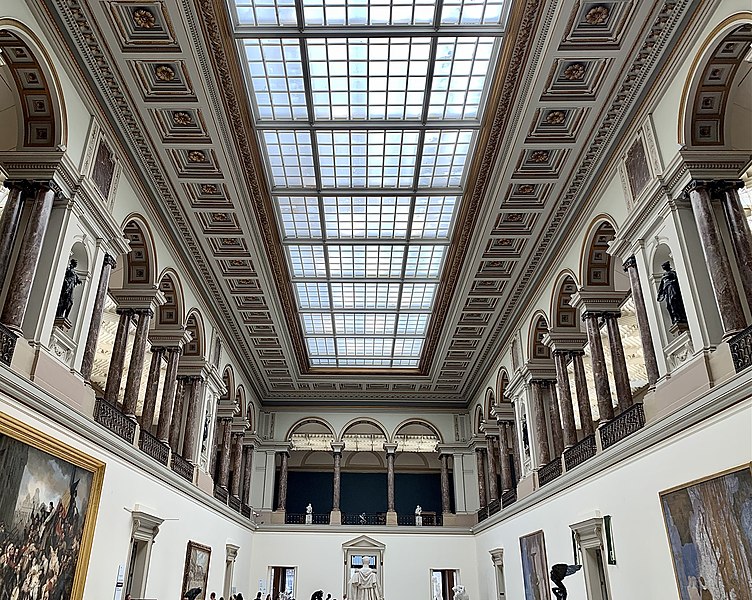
(309, 514)
(418, 515)
(460, 593)
(364, 585)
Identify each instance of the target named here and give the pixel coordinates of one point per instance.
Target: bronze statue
(559, 572)
(70, 281)
(670, 292)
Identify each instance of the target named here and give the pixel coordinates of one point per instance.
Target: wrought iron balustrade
(548, 472)
(482, 514)
(741, 349)
(493, 507)
(150, 445)
(631, 420)
(294, 518)
(7, 344)
(508, 498)
(235, 503)
(110, 417)
(580, 452)
(220, 494)
(182, 467)
(245, 510)
(427, 519)
(364, 519)
(320, 518)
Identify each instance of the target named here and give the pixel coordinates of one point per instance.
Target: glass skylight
(367, 113)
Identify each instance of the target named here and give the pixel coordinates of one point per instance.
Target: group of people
(238, 596)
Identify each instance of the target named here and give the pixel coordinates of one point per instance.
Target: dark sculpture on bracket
(670, 292)
(558, 573)
(70, 281)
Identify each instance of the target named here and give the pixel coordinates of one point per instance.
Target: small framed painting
(196, 573)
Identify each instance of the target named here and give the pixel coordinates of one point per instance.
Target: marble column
(117, 359)
(152, 387)
(247, 471)
(390, 453)
(493, 486)
(506, 470)
(168, 394)
(176, 424)
(515, 441)
(646, 337)
(337, 479)
(25, 268)
(193, 420)
(445, 504)
(739, 232)
(480, 460)
(541, 431)
(282, 493)
(600, 372)
(224, 455)
(583, 396)
(565, 398)
(237, 464)
(557, 435)
(619, 362)
(87, 363)
(721, 277)
(136, 366)
(9, 221)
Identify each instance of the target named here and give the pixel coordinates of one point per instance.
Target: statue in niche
(525, 436)
(460, 593)
(70, 281)
(669, 291)
(364, 585)
(205, 436)
(558, 573)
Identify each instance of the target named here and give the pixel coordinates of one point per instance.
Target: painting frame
(26, 434)
(662, 497)
(533, 538)
(190, 548)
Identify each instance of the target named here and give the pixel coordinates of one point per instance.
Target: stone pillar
(565, 398)
(193, 420)
(183, 384)
(493, 486)
(741, 238)
(152, 386)
(557, 435)
(9, 221)
(337, 482)
(117, 359)
(721, 277)
(600, 373)
(619, 362)
(247, 471)
(506, 471)
(237, 457)
(646, 337)
(136, 366)
(480, 460)
(583, 396)
(282, 495)
(224, 455)
(391, 513)
(445, 504)
(168, 394)
(87, 363)
(22, 278)
(512, 430)
(541, 431)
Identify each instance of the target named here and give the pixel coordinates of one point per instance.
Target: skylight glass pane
(365, 295)
(445, 155)
(372, 12)
(372, 158)
(307, 261)
(266, 12)
(412, 324)
(410, 347)
(317, 323)
(323, 362)
(404, 363)
(472, 12)
(299, 217)
(365, 323)
(276, 73)
(353, 262)
(321, 346)
(462, 65)
(312, 295)
(364, 362)
(417, 296)
(424, 261)
(290, 157)
(366, 217)
(364, 346)
(432, 218)
(368, 78)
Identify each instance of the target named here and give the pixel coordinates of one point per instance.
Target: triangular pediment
(363, 542)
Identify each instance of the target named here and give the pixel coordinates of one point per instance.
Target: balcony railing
(150, 445)
(548, 472)
(245, 510)
(320, 518)
(110, 417)
(508, 498)
(580, 452)
(427, 519)
(493, 507)
(235, 503)
(182, 467)
(482, 514)
(631, 420)
(220, 494)
(294, 518)
(364, 519)
(741, 349)
(7, 344)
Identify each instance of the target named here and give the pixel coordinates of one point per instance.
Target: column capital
(723, 185)
(565, 341)
(139, 298)
(169, 337)
(630, 263)
(390, 449)
(109, 260)
(337, 447)
(697, 184)
(592, 300)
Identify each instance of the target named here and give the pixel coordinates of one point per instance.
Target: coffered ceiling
(175, 82)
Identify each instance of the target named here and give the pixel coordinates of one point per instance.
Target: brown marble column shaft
(390, 481)
(9, 221)
(136, 366)
(237, 463)
(515, 443)
(176, 424)
(193, 420)
(739, 232)
(247, 472)
(224, 455)
(152, 387)
(583, 396)
(646, 337)
(92, 337)
(117, 358)
(25, 268)
(337, 479)
(506, 470)
(282, 493)
(565, 398)
(168, 394)
(541, 431)
(600, 371)
(721, 277)
(557, 434)
(619, 362)
(493, 486)
(480, 460)
(445, 504)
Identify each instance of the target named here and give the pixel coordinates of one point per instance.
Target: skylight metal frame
(360, 169)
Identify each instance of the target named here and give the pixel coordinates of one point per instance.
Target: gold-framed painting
(48, 511)
(535, 566)
(710, 535)
(196, 571)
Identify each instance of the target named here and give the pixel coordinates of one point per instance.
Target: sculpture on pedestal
(418, 515)
(70, 281)
(669, 291)
(364, 585)
(309, 515)
(559, 572)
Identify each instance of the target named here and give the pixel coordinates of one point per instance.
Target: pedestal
(391, 517)
(335, 517)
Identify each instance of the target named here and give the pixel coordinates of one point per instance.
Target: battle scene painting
(196, 572)
(535, 567)
(709, 525)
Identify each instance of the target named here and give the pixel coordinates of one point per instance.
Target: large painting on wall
(535, 566)
(48, 509)
(709, 525)
(196, 573)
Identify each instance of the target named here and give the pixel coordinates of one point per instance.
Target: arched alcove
(171, 313)
(564, 315)
(597, 268)
(195, 326)
(539, 328)
(140, 265)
